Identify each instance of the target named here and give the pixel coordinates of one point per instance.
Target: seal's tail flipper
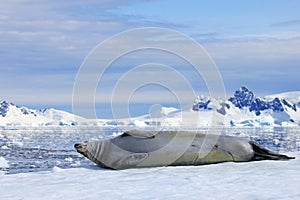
(261, 153)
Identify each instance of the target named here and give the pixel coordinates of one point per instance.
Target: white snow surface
(249, 180)
(3, 163)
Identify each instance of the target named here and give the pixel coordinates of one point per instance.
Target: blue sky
(43, 43)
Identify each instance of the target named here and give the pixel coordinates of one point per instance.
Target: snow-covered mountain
(13, 115)
(244, 108)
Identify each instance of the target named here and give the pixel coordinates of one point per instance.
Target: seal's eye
(125, 135)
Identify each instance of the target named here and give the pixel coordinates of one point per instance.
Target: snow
(3, 163)
(251, 180)
(14, 116)
(139, 123)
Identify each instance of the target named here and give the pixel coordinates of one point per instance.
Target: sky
(44, 44)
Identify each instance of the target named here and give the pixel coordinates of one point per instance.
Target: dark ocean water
(41, 149)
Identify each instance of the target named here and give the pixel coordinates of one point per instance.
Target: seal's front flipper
(261, 153)
(139, 134)
(132, 160)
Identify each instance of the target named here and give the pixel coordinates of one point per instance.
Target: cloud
(43, 43)
(288, 23)
(205, 37)
(258, 48)
(55, 88)
(268, 63)
(40, 35)
(141, 21)
(63, 17)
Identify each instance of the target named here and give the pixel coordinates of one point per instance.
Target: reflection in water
(30, 150)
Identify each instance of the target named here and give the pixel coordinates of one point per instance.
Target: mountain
(13, 115)
(244, 108)
(244, 98)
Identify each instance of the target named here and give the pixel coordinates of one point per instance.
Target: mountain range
(244, 108)
(13, 115)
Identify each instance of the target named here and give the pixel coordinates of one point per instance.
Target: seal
(137, 149)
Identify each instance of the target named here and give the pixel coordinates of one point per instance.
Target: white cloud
(58, 26)
(38, 88)
(295, 22)
(256, 50)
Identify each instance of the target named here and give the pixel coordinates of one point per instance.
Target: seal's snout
(81, 148)
(77, 146)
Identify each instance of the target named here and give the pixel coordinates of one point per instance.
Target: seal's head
(93, 151)
(81, 148)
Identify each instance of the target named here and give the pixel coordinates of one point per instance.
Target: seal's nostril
(77, 145)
